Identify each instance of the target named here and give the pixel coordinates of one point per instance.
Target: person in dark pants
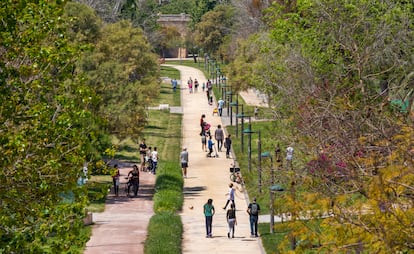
(227, 145)
(115, 179)
(253, 210)
(219, 136)
(209, 213)
(134, 180)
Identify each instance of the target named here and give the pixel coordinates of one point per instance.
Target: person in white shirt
(154, 157)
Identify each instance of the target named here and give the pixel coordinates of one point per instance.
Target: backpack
(254, 210)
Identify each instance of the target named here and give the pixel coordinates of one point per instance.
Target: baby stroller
(149, 165)
(207, 129)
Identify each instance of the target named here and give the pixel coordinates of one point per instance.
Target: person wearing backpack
(253, 210)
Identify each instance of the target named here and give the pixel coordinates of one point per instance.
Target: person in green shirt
(208, 213)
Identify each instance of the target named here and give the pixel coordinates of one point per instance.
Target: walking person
(204, 142)
(230, 197)
(190, 85)
(209, 213)
(154, 157)
(174, 84)
(133, 176)
(210, 145)
(220, 105)
(219, 136)
(115, 180)
(202, 124)
(227, 145)
(184, 161)
(231, 220)
(196, 85)
(142, 153)
(253, 210)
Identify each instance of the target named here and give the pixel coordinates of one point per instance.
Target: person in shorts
(184, 161)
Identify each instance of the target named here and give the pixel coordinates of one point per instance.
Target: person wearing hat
(184, 161)
(220, 105)
(253, 210)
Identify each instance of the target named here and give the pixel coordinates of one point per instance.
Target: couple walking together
(253, 210)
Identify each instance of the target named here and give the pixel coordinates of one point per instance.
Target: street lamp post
(259, 164)
(229, 101)
(242, 116)
(249, 131)
(235, 104)
(273, 189)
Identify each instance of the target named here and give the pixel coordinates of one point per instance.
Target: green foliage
(85, 25)
(330, 69)
(169, 187)
(214, 26)
(123, 72)
(178, 7)
(45, 131)
(164, 233)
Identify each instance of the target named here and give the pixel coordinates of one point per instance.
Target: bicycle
(235, 175)
(127, 186)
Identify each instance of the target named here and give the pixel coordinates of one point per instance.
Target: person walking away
(220, 105)
(196, 85)
(142, 152)
(230, 197)
(133, 176)
(184, 161)
(227, 145)
(202, 123)
(253, 210)
(209, 213)
(115, 180)
(219, 136)
(190, 85)
(174, 84)
(231, 220)
(154, 157)
(210, 146)
(203, 86)
(204, 142)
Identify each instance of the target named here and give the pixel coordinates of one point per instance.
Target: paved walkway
(122, 227)
(208, 178)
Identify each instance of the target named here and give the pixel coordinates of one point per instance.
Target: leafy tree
(44, 131)
(323, 64)
(215, 25)
(85, 25)
(178, 7)
(123, 72)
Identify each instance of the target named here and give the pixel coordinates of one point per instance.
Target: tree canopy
(330, 69)
(44, 133)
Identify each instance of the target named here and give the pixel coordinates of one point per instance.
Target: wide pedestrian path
(122, 227)
(208, 178)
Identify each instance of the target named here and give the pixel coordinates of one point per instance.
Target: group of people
(193, 84)
(207, 143)
(253, 210)
(148, 162)
(133, 180)
(148, 157)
